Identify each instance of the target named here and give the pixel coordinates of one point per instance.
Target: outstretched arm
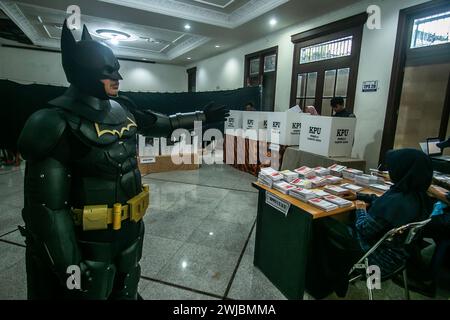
(155, 124)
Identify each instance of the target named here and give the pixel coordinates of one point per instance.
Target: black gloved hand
(215, 113)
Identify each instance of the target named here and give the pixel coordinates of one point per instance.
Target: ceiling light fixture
(273, 21)
(217, 46)
(187, 27)
(189, 58)
(114, 36)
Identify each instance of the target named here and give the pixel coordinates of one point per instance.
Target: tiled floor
(199, 240)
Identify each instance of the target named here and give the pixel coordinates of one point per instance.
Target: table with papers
(283, 237)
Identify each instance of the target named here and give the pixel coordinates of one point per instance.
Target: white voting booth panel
(254, 125)
(284, 128)
(148, 147)
(233, 124)
(327, 136)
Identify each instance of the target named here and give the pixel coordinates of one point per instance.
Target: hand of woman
(351, 196)
(361, 205)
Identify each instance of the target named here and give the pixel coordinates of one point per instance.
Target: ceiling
(156, 28)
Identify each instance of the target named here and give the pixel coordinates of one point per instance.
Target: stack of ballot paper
(365, 180)
(321, 171)
(302, 183)
(333, 179)
(320, 193)
(302, 194)
(336, 170)
(322, 204)
(305, 172)
(265, 180)
(351, 173)
(318, 182)
(289, 175)
(351, 187)
(271, 173)
(380, 187)
(336, 190)
(283, 187)
(341, 203)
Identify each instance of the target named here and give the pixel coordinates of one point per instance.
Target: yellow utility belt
(98, 217)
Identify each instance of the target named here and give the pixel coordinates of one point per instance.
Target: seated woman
(339, 246)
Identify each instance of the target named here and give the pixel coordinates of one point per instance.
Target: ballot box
(327, 136)
(284, 128)
(233, 124)
(254, 125)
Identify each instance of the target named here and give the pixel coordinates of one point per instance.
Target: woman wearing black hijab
(407, 201)
(337, 247)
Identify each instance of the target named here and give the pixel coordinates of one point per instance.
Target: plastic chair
(412, 229)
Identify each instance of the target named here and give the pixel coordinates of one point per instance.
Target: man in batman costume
(84, 200)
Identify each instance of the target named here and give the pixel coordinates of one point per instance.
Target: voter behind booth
(249, 106)
(340, 246)
(338, 106)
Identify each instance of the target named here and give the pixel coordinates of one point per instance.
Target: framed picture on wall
(269, 63)
(254, 67)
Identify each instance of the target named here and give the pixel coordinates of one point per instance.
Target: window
(430, 31)
(260, 70)
(327, 50)
(326, 63)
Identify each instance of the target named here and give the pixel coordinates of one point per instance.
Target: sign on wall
(370, 86)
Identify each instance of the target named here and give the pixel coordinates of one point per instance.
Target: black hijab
(407, 201)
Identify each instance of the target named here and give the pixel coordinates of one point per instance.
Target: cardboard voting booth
(254, 125)
(327, 136)
(284, 128)
(233, 124)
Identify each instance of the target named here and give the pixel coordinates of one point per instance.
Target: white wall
(377, 53)
(27, 66)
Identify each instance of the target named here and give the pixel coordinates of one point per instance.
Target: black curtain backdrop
(19, 101)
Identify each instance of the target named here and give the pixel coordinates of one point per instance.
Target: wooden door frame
(420, 56)
(191, 71)
(353, 25)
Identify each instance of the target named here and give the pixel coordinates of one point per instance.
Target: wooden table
(283, 242)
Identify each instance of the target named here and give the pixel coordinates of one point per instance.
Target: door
(423, 112)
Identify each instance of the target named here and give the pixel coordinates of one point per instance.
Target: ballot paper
(337, 191)
(351, 187)
(302, 194)
(336, 170)
(330, 179)
(283, 187)
(341, 203)
(302, 183)
(365, 180)
(264, 180)
(320, 193)
(289, 175)
(305, 172)
(380, 187)
(351, 173)
(271, 173)
(318, 182)
(321, 171)
(322, 204)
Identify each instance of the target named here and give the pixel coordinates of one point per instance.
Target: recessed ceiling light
(145, 59)
(189, 58)
(187, 27)
(273, 21)
(114, 41)
(217, 46)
